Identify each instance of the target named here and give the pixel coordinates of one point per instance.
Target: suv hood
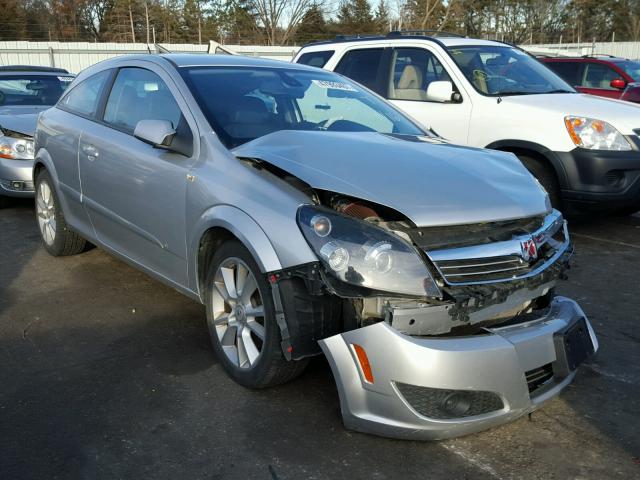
(625, 116)
(430, 182)
(21, 119)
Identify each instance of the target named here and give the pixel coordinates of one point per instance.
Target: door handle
(91, 152)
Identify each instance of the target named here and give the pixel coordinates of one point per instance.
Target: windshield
(496, 70)
(244, 103)
(631, 68)
(32, 89)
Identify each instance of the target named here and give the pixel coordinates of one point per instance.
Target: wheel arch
(222, 223)
(534, 150)
(43, 161)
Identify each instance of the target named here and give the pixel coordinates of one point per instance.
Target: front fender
(240, 224)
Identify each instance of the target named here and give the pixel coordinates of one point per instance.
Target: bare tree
(280, 18)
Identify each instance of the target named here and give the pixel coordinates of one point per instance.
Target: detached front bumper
(435, 388)
(16, 178)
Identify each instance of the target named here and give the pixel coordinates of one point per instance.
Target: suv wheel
(4, 202)
(547, 178)
(57, 239)
(241, 320)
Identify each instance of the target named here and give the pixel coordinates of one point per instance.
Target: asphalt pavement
(105, 374)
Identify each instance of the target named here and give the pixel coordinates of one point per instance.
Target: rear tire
(241, 320)
(547, 178)
(57, 238)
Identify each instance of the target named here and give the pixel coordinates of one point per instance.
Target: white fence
(75, 56)
(619, 49)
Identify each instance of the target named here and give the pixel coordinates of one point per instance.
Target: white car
(584, 150)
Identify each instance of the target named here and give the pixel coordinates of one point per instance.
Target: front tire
(242, 323)
(547, 178)
(56, 236)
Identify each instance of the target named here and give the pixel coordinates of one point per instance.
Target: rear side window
(570, 72)
(85, 97)
(315, 59)
(140, 94)
(362, 66)
(599, 75)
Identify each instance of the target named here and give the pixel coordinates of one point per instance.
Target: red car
(602, 75)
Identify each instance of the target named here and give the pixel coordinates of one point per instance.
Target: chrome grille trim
(503, 261)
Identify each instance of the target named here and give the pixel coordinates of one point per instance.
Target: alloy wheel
(45, 208)
(238, 313)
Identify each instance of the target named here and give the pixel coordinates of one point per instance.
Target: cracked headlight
(360, 253)
(595, 134)
(16, 148)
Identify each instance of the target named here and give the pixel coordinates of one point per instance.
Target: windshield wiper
(559, 91)
(512, 92)
(517, 92)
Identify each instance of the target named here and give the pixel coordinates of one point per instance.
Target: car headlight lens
(16, 148)
(360, 253)
(595, 134)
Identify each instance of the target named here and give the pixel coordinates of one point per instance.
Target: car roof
(586, 58)
(442, 38)
(180, 60)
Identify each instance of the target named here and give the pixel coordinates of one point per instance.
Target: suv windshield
(32, 89)
(496, 71)
(631, 68)
(244, 103)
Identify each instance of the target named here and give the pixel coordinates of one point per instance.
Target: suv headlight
(16, 148)
(360, 253)
(595, 134)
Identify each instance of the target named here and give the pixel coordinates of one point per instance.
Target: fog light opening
(456, 404)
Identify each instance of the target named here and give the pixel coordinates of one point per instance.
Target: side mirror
(618, 83)
(158, 133)
(441, 91)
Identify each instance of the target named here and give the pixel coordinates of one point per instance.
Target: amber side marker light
(571, 126)
(365, 366)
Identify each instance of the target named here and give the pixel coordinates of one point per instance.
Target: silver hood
(432, 184)
(21, 119)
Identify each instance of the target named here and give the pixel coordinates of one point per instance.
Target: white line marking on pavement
(615, 242)
(474, 459)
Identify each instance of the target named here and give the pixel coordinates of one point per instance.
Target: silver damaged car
(308, 215)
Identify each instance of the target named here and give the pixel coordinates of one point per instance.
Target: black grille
(443, 404)
(453, 236)
(538, 377)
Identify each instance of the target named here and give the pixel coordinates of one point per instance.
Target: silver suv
(306, 213)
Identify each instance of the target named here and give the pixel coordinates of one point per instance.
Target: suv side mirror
(441, 91)
(618, 83)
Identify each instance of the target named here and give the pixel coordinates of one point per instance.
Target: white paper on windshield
(65, 79)
(327, 84)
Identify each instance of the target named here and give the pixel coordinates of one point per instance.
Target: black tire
(63, 241)
(270, 368)
(4, 201)
(547, 178)
(627, 211)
